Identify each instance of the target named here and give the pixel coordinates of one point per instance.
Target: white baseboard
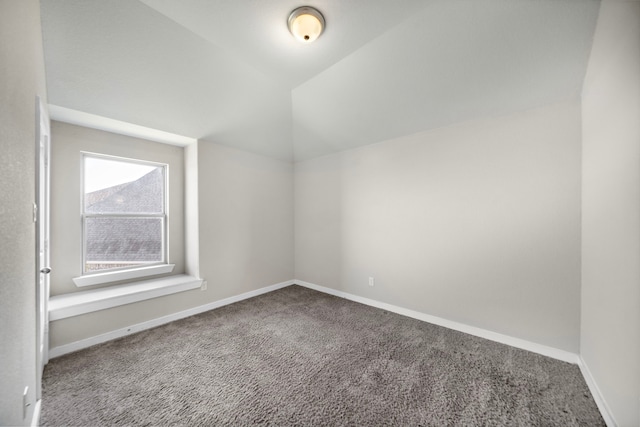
(472, 330)
(544, 350)
(552, 352)
(99, 339)
(35, 419)
(605, 411)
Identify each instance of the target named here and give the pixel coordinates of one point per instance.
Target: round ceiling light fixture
(306, 24)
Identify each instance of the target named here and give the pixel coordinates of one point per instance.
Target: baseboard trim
(119, 333)
(544, 350)
(35, 419)
(605, 411)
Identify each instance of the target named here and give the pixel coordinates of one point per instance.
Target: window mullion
(124, 215)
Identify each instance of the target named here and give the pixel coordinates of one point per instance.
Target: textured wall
(21, 79)
(477, 223)
(610, 338)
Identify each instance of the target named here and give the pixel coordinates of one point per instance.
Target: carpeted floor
(300, 357)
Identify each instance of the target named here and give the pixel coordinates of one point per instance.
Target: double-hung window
(124, 214)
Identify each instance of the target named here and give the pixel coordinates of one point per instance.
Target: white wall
(477, 223)
(246, 220)
(610, 333)
(21, 79)
(191, 211)
(245, 240)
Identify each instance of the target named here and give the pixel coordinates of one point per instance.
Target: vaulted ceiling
(228, 71)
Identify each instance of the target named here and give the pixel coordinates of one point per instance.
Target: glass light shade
(306, 24)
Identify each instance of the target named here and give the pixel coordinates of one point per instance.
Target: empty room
(334, 212)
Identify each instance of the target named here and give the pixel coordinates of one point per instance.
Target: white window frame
(89, 278)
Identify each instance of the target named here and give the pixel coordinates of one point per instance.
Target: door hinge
(35, 213)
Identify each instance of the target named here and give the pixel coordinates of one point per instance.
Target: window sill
(77, 303)
(115, 276)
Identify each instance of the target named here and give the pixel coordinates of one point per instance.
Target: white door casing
(41, 217)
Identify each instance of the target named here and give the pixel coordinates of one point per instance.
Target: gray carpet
(300, 357)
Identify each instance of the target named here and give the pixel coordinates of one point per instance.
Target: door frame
(41, 215)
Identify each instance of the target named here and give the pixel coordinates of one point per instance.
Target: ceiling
(228, 71)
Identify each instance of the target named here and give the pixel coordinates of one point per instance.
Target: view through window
(123, 213)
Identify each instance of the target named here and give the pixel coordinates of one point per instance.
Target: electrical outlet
(203, 287)
(371, 281)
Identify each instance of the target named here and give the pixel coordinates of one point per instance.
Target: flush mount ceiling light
(306, 24)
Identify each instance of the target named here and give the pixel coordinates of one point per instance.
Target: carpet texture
(300, 357)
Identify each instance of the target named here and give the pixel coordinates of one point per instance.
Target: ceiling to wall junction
(228, 71)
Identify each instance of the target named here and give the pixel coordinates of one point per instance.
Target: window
(124, 214)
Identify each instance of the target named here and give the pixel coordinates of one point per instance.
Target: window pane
(113, 186)
(122, 242)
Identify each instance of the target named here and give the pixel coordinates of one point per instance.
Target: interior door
(41, 216)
